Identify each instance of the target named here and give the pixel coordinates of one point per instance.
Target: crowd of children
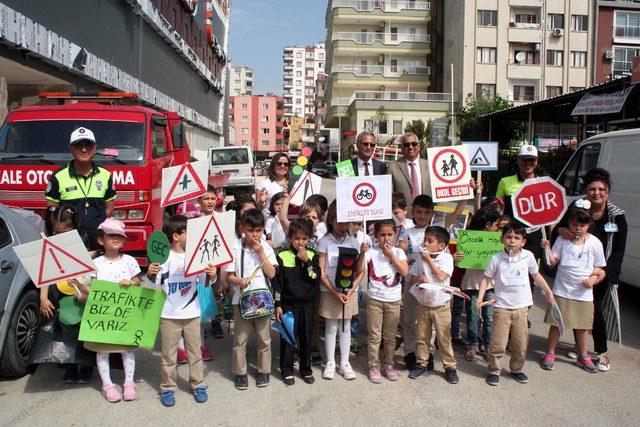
(286, 266)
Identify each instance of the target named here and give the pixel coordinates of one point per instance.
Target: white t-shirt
(125, 268)
(472, 278)
(511, 278)
(251, 262)
(273, 226)
(416, 240)
(182, 293)
(576, 264)
(320, 230)
(432, 295)
(329, 245)
(272, 188)
(385, 283)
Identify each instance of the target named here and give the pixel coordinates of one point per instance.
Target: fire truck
(134, 143)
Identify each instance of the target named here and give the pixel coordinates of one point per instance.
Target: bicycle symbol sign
(364, 195)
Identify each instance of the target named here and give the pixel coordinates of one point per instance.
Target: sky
(260, 29)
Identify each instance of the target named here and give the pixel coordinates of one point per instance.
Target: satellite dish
(521, 56)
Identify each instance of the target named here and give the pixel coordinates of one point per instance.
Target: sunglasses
(87, 145)
(368, 144)
(411, 144)
(282, 164)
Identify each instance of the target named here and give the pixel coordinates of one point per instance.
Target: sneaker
(482, 349)
(242, 383)
(129, 391)
(547, 361)
(329, 371)
(603, 362)
(289, 380)
(417, 372)
(316, 357)
(375, 376)
(410, 361)
(355, 345)
(390, 373)
(71, 374)
(347, 371)
(216, 329)
(587, 364)
(111, 393)
(470, 355)
(458, 341)
(262, 380)
(182, 356)
(572, 355)
(309, 379)
(430, 363)
(520, 377)
(167, 398)
(493, 380)
(451, 375)
(200, 394)
(206, 354)
(85, 374)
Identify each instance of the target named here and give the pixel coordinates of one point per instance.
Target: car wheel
(23, 327)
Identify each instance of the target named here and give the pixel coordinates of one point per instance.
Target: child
(503, 220)
(399, 208)
(387, 266)
(114, 266)
(295, 287)
(309, 210)
(510, 270)
(251, 254)
(485, 219)
(434, 267)
(573, 286)
(336, 306)
(210, 201)
(321, 228)
(276, 236)
(181, 313)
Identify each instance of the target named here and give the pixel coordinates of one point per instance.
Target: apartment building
(378, 67)
(302, 64)
(522, 50)
(258, 122)
(618, 40)
(240, 80)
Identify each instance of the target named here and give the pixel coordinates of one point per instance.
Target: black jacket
(295, 282)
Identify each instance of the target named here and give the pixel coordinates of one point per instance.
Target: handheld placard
(346, 271)
(158, 248)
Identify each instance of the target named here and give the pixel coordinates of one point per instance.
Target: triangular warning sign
(187, 185)
(56, 264)
(479, 158)
(211, 246)
(307, 185)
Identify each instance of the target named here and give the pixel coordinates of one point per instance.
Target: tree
(473, 127)
(418, 127)
(380, 116)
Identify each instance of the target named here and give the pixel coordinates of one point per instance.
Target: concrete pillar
(4, 99)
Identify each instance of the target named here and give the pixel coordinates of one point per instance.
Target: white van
(238, 162)
(619, 153)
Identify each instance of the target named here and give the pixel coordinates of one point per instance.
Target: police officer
(82, 184)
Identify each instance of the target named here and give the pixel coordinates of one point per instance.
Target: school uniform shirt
(329, 246)
(272, 188)
(273, 226)
(182, 293)
(432, 295)
(576, 264)
(124, 268)
(385, 283)
(511, 278)
(246, 269)
(320, 230)
(416, 240)
(472, 278)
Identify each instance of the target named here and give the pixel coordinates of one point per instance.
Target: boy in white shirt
(510, 270)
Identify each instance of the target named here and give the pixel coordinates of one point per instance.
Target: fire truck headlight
(119, 214)
(136, 214)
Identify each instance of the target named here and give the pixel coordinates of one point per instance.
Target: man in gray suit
(410, 175)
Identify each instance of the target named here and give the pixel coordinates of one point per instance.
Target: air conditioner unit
(557, 32)
(537, 47)
(608, 54)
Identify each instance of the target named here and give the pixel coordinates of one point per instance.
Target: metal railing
(385, 38)
(384, 5)
(627, 31)
(386, 70)
(401, 96)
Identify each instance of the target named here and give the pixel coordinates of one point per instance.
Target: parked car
(19, 298)
(320, 169)
(238, 163)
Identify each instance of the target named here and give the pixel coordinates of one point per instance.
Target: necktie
(366, 168)
(415, 185)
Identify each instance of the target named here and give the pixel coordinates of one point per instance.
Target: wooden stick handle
(490, 302)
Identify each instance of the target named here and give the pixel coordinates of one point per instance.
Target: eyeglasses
(286, 164)
(410, 144)
(368, 144)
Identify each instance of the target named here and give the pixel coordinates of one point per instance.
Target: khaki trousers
(440, 319)
(508, 325)
(382, 324)
(170, 332)
(241, 331)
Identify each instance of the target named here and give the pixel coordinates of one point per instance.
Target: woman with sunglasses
(277, 181)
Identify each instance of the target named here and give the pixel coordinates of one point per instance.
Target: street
(565, 396)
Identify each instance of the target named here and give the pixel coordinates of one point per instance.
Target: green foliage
(419, 128)
(473, 127)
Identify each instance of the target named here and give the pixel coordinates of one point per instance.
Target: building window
(264, 142)
(320, 55)
(245, 142)
(299, 64)
(249, 74)
(298, 82)
(264, 106)
(299, 55)
(299, 92)
(486, 90)
(397, 127)
(296, 133)
(309, 73)
(244, 118)
(486, 55)
(578, 59)
(555, 20)
(264, 119)
(244, 106)
(524, 93)
(368, 125)
(265, 130)
(579, 22)
(382, 127)
(554, 91)
(487, 18)
(554, 57)
(622, 58)
(298, 73)
(526, 57)
(575, 88)
(526, 18)
(245, 130)
(627, 24)
(309, 82)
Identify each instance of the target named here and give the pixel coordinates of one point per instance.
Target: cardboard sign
(478, 247)
(450, 173)
(345, 168)
(307, 185)
(117, 315)
(158, 248)
(184, 182)
(539, 201)
(56, 258)
(483, 155)
(367, 197)
(209, 242)
(440, 215)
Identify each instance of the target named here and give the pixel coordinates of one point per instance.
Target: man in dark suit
(410, 175)
(365, 164)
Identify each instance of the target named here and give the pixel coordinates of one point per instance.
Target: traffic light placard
(347, 266)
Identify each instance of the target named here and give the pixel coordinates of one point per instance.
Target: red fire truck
(134, 143)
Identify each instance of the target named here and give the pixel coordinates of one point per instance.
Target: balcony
(402, 96)
(287, 86)
(287, 95)
(526, 3)
(288, 67)
(288, 76)
(528, 71)
(388, 71)
(523, 33)
(626, 34)
(382, 5)
(367, 38)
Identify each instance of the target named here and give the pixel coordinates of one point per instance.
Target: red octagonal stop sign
(539, 201)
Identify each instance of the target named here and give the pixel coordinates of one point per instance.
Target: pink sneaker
(374, 376)
(111, 393)
(390, 373)
(182, 356)
(206, 354)
(129, 391)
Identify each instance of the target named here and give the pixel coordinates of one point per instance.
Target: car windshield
(48, 140)
(229, 156)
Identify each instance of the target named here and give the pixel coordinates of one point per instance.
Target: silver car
(19, 298)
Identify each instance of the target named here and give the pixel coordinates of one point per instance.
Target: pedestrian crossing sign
(184, 182)
(209, 242)
(483, 155)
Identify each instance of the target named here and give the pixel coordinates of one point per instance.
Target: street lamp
(339, 118)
